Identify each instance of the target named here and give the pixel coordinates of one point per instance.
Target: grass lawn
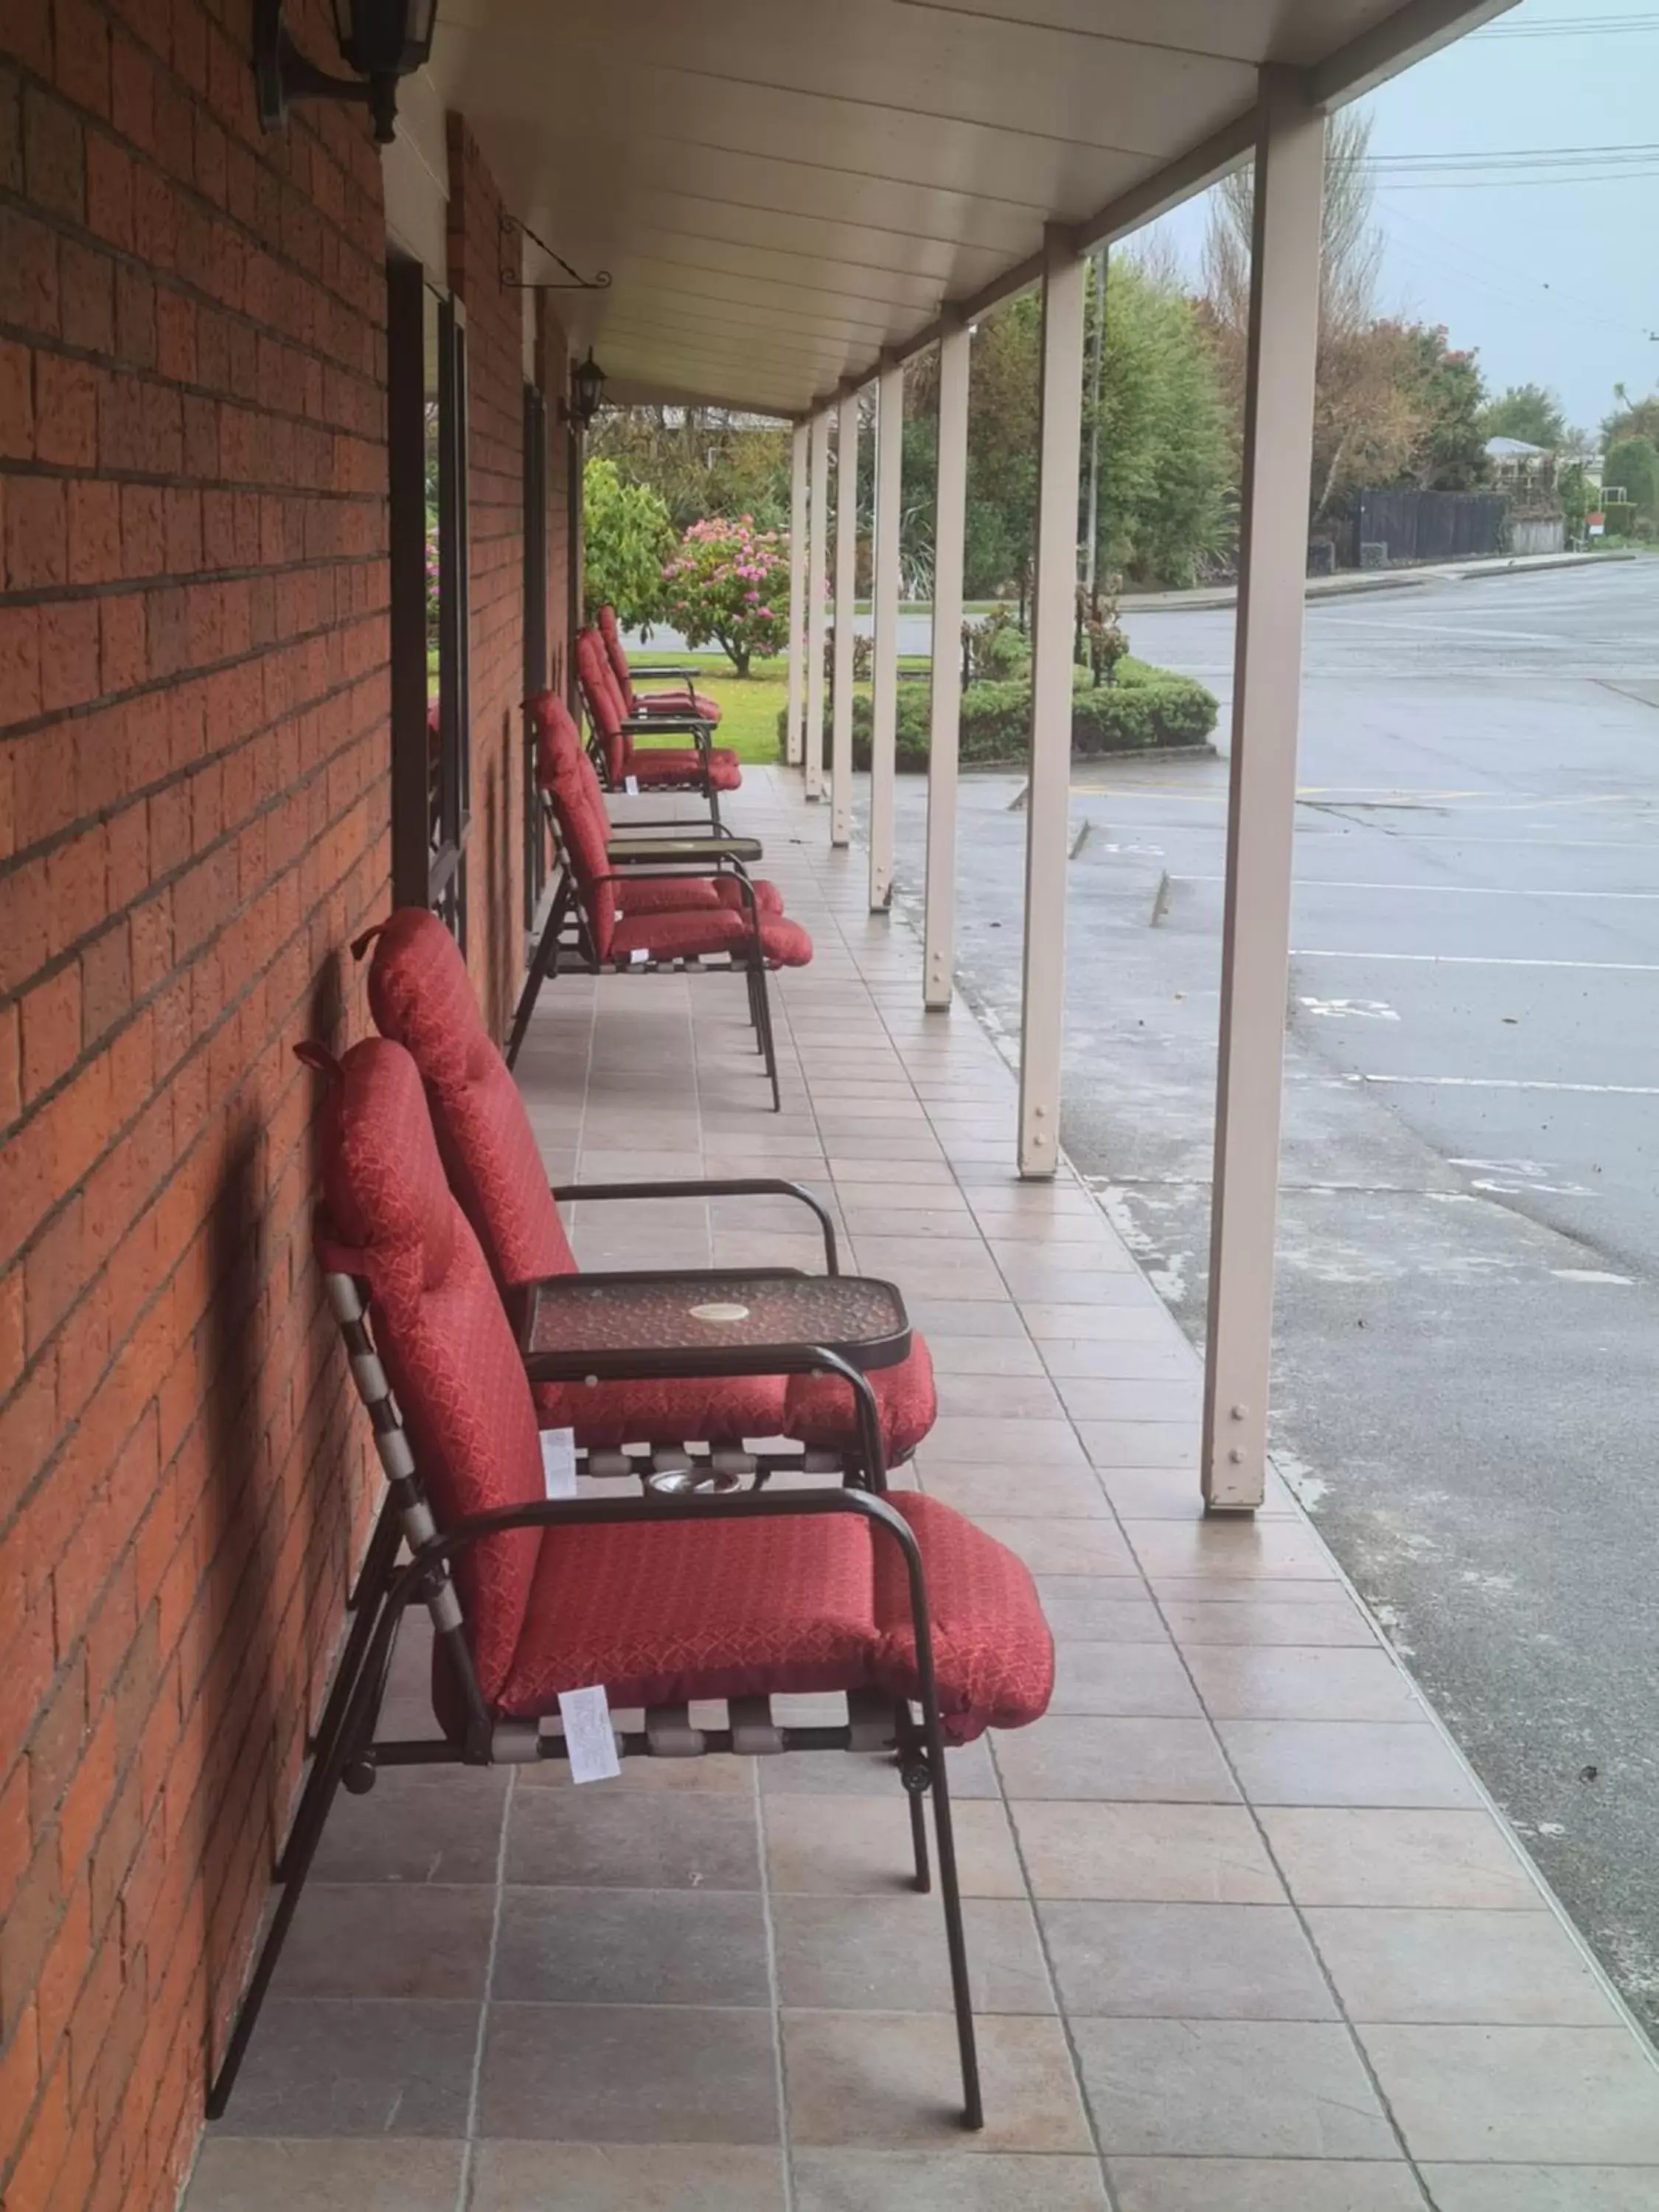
(749, 706)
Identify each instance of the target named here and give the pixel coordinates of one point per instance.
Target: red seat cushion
(702, 936)
(820, 1411)
(694, 894)
(678, 704)
(667, 1613)
(674, 768)
(725, 1409)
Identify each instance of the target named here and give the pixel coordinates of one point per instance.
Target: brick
(54, 154)
(16, 404)
(36, 534)
(105, 982)
(20, 663)
(26, 32)
(123, 658)
(65, 411)
(29, 273)
(95, 531)
(69, 654)
(137, 334)
(109, 190)
(83, 54)
(52, 1030)
(85, 297)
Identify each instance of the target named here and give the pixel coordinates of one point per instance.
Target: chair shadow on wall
(268, 1466)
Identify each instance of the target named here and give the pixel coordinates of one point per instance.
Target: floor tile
(605, 1840)
(1307, 1684)
(992, 1357)
(659, 2074)
(1404, 1965)
(1015, 1445)
(1171, 1762)
(860, 1847)
(1000, 1397)
(389, 2174)
(1034, 1488)
(1549, 2095)
(893, 2078)
(1357, 1856)
(1230, 2088)
(366, 2067)
(1345, 1763)
(946, 2181)
(1077, 1610)
(1542, 2188)
(1332, 1622)
(888, 1954)
(1142, 1355)
(1199, 1854)
(631, 1947)
(1065, 1548)
(1235, 1547)
(1165, 1961)
(417, 1825)
(1139, 1679)
(387, 1940)
(613, 2177)
(1102, 1398)
(1242, 2185)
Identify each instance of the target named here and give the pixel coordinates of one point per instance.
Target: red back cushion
(420, 995)
(558, 741)
(613, 653)
(440, 1327)
(604, 702)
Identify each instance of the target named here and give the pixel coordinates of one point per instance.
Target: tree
(1631, 418)
(1528, 411)
(730, 582)
(1449, 451)
(1633, 467)
(702, 460)
(627, 537)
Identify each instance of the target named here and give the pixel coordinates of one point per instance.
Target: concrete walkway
(1248, 1936)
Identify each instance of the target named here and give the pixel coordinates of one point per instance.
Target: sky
(1551, 277)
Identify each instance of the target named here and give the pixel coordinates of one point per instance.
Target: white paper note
(589, 1738)
(559, 1462)
(631, 785)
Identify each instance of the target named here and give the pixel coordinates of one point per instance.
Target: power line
(1569, 26)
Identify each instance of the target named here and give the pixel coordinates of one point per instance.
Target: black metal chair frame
(346, 1749)
(565, 931)
(644, 726)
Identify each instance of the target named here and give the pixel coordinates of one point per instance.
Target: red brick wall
(194, 817)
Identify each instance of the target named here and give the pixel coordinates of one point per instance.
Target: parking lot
(1467, 1380)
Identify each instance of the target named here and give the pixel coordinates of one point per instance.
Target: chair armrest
(721, 1186)
(665, 726)
(638, 675)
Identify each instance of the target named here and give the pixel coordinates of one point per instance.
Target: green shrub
(1620, 515)
(1145, 707)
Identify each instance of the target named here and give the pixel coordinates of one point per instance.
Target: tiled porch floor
(1247, 1938)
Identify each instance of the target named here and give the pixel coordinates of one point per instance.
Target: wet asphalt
(1467, 1384)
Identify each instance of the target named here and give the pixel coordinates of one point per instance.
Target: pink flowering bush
(729, 582)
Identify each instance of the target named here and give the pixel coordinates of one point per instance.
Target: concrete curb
(1375, 579)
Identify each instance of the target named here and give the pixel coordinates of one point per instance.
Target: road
(1467, 1387)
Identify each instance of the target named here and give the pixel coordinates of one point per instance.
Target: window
(431, 777)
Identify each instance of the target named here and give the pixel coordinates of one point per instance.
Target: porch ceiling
(781, 191)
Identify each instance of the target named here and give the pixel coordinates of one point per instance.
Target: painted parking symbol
(1344, 1009)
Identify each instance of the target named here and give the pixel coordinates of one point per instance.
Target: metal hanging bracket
(600, 281)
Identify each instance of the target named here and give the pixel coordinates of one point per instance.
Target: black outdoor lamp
(586, 389)
(381, 39)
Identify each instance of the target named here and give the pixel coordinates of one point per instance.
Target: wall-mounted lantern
(381, 39)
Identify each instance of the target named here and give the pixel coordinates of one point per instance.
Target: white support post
(847, 550)
(817, 554)
(1053, 612)
(1278, 404)
(795, 744)
(885, 597)
(950, 525)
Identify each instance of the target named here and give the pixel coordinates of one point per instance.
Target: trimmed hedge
(1146, 708)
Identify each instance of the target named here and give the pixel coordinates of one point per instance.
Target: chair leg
(768, 1042)
(955, 1938)
(295, 1865)
(365, 1605)
(541, 967)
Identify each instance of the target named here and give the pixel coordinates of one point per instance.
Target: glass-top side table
(714, 1322)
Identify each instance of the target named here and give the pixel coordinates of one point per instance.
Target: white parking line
(1510, 1083)
(1489, 960)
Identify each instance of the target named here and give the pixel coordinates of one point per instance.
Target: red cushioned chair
(931, 1630)
(676, 704)
(701, 767)
(589, 926)
(420, 993)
